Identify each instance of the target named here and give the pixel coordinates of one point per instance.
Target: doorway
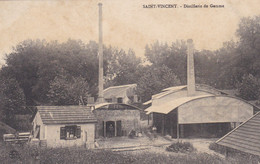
(110, 128)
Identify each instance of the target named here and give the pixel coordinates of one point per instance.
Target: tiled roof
(245, 138)
(117, 91)
(66, 114)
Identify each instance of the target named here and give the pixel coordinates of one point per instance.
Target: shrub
(217, 148)
(182, 147)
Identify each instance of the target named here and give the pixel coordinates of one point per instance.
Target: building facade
(121, 94)
(116, 119)
(64, 126)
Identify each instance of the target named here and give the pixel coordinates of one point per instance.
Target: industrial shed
(197, 110)
(207, 113)
(245, 137)
(64, 126)
(116, 119)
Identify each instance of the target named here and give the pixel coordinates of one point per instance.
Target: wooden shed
(64, 126)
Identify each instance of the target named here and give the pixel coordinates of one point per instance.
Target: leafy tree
(154, 80)
(123, 68)
(174, 57)
(35, 64)
(68, 91)
(12, 100)
(249, 87)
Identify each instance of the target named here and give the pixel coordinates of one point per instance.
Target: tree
(174, 57)
(122, 67)
(68, 91)
(154, 80)
(35, 64)
(12, 100)
(249, 87)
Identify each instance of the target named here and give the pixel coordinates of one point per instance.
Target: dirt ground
(157, 145)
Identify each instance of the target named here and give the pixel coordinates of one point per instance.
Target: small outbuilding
(64, 126)
(116, 119)
(121, 94)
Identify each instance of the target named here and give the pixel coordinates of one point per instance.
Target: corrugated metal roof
(167, 107)
(245, 138)
(117, 91)
(66, 114)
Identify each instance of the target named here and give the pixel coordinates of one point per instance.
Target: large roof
(167, 107)
(66, 114)
(245, 137)
(117, 91)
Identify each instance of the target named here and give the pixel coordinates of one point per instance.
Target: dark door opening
(110, 129)
(118, 128)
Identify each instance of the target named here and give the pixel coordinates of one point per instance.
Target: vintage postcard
(152, 81)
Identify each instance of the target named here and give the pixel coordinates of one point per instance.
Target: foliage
(36, 63)
(12, 99)
(249, 87)
(68, 91)
(155, 79)
(217, 148)
(183, 147)
(80, 155)
(123, 68)
(174, 57)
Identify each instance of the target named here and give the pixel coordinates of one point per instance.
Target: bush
(217, 148)
(181, 147)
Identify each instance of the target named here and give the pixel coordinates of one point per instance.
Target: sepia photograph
(129, 82)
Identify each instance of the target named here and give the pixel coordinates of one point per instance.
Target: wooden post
(226, 152)
(171, 125)
(115, 129)
(178, 134)
(163, 124)
(105, 129)
(148, 118)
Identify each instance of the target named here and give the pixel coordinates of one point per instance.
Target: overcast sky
(126, 24)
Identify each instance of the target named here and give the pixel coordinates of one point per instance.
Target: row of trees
(51, 73)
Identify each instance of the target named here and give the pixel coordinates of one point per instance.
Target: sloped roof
(66, 114)
(117, 91)
(116, 105)
(245, 137)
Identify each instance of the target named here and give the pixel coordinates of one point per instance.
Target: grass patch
(183, 147)
(76, 155)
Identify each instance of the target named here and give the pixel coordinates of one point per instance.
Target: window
(70, 132)
(108, 100)
(120, 100)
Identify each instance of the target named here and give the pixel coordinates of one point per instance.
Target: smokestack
(100, 54)
(190, 69)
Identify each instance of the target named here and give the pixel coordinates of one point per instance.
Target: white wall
(38, 121)
(52, 135)
(214, 109)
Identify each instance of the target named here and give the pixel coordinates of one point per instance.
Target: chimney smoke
(190, 69)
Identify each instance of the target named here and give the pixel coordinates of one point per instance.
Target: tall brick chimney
(100, 54)
(190, 69)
